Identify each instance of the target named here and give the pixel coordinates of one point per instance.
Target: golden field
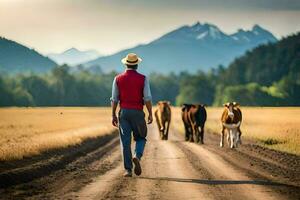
(30, 131)
(273, 127)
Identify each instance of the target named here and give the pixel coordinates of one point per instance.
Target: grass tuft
(272, 141)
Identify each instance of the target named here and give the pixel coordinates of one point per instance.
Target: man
(131, 89)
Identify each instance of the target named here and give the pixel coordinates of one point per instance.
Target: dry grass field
(30, 131)
(92, 170)
(276, 128)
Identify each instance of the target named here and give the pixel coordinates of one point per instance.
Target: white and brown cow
(231, 120)
(163, 118)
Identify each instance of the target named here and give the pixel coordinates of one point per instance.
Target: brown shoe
(137, 166)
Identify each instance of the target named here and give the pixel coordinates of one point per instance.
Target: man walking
(132, 90)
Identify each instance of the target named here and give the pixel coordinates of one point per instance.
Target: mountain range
(190, 48)
(74, 56)
(15, 58)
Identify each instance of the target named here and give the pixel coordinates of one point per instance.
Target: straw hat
(131, 59)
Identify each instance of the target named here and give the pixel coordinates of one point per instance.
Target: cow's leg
(162, 135)
(240, 134)
(158, 123)
(202, 135)
(228, 136)
(162, 124)
(236, 139)
(231, 138)
(222, 136)
(167, 130)
(190, 134)
(197, 133)
(187, 131)
(193, 132)
(162, 130)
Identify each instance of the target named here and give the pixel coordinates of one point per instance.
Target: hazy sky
(111, 25)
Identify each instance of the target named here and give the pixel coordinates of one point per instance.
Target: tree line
(63, 88)
(269, 75)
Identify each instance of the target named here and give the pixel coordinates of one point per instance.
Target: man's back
(131, 87)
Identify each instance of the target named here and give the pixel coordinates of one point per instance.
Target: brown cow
(163, 118)
(231, 120)
(194, 117)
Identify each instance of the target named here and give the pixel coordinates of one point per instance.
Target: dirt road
(172, 169)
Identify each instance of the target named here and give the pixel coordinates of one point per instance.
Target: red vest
(131, 87)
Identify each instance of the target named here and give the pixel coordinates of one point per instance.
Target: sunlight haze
(109, 26)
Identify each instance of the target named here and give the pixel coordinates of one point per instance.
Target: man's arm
(114, 120)
(114, 102)
(149, 108)
(148, 99)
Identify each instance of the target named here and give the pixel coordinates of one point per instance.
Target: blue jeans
(132, 121)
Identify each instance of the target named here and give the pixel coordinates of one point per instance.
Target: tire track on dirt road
(172, 169)
(226, 176)
(28, 169)
(164, 166)
(93, 158)
(175, 169)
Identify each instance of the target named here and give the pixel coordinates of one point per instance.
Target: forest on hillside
(17, 58)
(269, 75)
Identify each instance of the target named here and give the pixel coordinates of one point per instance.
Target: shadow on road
(215, 182)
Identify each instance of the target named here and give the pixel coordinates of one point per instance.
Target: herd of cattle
(194, 118)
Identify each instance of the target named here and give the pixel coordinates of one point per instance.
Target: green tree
(164, 87)
(39, 89)
(6, 96)
(196, 89)
(22, 97)
(65, 86)
(251, 94)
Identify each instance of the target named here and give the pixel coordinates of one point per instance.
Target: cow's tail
(232, 126)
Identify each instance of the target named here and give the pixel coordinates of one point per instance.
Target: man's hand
(150, 119)
(114, 121)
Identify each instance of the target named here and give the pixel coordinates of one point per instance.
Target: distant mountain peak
(190, 47)
(207, 30)
(256, 35)
(71, 50)
(215, 32)
(197, 24)
(240, 30)
(257, 27)
(203, 27)
(74, 56)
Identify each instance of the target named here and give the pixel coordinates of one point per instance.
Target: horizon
(106, 26)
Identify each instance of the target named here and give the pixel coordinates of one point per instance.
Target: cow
(231, 121)
(163, 118)
(186, 122)
(194, 117)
